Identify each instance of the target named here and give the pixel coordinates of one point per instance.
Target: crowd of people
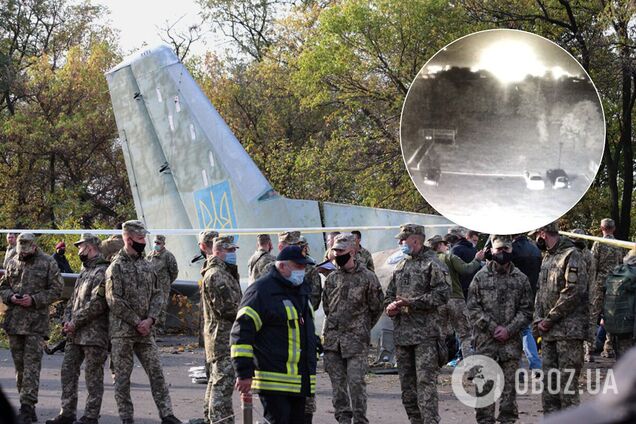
(497, 301)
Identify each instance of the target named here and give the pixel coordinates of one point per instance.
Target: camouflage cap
(289, 237)
(160, 238)
(134, 226)
(409, 230)
(344, 242)
(88, 238)
(434, 240)
(224, 242)
(206, 236)
(608, 223)
(552, 227)
(302, 241)
(457, 231)
(499, 241)
(25, 242)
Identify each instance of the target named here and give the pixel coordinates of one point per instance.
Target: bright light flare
(511, 61)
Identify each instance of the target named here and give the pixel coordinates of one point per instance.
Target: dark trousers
(283, 409)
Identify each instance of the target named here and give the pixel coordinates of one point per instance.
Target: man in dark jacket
(274, 341)
(60, 258)
(466, 251)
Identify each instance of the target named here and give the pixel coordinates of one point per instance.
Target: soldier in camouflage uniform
(112, 245)
(221, 296)
(32, 281)
(590, 265)
(418, 287)
(134, 299)
(561, 316)
(352, 301)
(86, 329)
(261, 258)
(10, 253)
(455, 310)
(167, 270)
(500, 306)
(363, 256)
(607, 257)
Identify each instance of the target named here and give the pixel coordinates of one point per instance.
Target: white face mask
(297, 277)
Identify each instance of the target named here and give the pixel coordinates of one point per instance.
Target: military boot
(170, 419)
(26, 414)
(34, 416)
(62, 419)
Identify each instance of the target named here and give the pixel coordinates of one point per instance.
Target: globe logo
(487, 376)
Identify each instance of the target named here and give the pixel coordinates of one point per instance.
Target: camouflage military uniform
(364, 257)
(88, 311)
(133, 294)
(39, 277)
(423, 280)
(9, 254)
(257, 264)
(352, 301)
(505, 299)
(167, 270)
(562, 301)
(221, 297)
(111, 246)
(607, 258)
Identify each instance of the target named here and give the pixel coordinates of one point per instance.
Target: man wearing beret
(560, 316)
(221, 295)
(274, 342)
(500, 307)
(60, 258)
(167, 270)
(352, 301)
(134, 299)
(86, 328)
(419, 286)
(31, 282)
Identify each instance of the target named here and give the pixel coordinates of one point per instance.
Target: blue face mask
(297, 277)
(230, 258)
(156, 247)
(405, 248)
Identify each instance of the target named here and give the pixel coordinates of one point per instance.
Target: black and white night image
(502, 131)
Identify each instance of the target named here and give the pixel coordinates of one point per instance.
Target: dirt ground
(384, 405)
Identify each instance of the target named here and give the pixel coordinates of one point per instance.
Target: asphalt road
(384, 404)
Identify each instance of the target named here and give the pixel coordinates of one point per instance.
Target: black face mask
(25, 256)
(83, 257)
(61, 251)
(502, 258)
(138, 247)
(541, 244)
(343, 259)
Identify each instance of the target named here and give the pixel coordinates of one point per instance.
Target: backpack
(620, 300)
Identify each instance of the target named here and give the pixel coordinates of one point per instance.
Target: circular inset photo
(502, 131)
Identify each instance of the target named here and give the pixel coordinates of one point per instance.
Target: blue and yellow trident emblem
(214, 206)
